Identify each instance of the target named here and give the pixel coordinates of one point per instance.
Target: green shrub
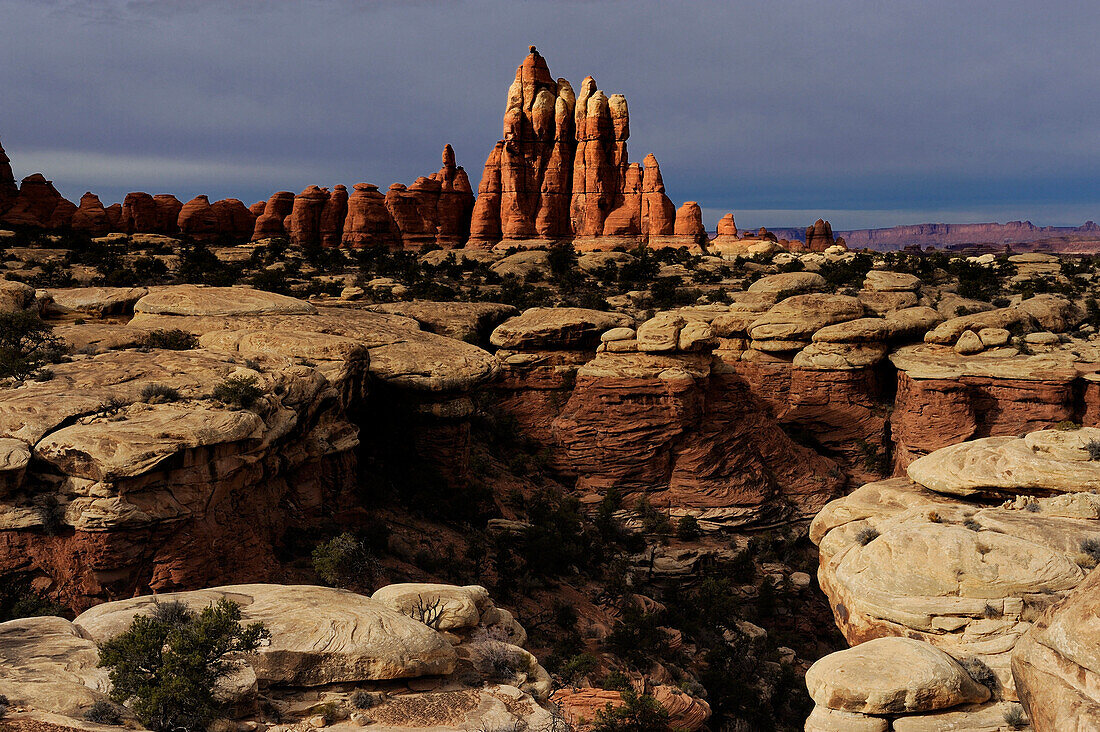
(638, 713)
(687, 528)
(27, 344)
(240, 392)
(159, 394)
(166, 665)
(344, 560)
(169, 340)
(104, 712)
(578, 667)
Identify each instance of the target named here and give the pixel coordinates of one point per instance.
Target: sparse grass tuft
(1092, 447)
(159, 394)
(866, 535)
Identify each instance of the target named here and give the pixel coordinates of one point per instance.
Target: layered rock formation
(330, 649)
(150, 495)
(927, 558)
(8, 189)
(562, 172)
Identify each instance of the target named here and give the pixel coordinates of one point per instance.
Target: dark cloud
(867, 110)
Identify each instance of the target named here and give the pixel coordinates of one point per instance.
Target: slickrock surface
(1050, 461)
(891, 676)
(1057, 663)
(319, 635)
(980, 583)
(179, 493)
(325, 644)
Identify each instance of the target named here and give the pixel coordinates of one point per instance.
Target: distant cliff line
(946, 235)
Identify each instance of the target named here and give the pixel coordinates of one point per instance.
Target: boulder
(788, 283)
(556, 328)
(798, 318)
(879, 280)
(16, 296)
(1041, 463)
(443, 607)
(198, 300)
(319, 635)
(891, 676)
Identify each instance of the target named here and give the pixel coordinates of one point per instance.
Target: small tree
(344, 560)
(239, 392)
(166, 665)
(26, 344)
(638, 713)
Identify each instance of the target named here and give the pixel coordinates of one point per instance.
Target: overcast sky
(867, 113)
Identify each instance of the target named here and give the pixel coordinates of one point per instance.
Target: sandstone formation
(139, 214)
(197, 219)
(9, 191)
(90, 216)
(151, 485)
(368, 221)
(918, 558)
(325, 644)
(35, 204)
(305, 217)
(333, 216)
(168, 212)
(561, 171)
(234, 220)
(271, 222)
(819, 237)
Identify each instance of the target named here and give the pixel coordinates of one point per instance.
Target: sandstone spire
(8, 190)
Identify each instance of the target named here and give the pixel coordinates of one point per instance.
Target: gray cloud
(957, 111)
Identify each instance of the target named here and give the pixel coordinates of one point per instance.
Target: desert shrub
(3, 706)
(344, 560)
(577, 668)
(976, 281)
(846, 272)
(638, 713)
(972, 525)
(240, 392)
(934, 517)
(169, 340)
(1091, 547)
(104, 712)
(1015, 718)
(276, 279)
(980, 672)
(1092, 447)
(637, 637)
(159, 394)
(866, 535)
(367, 699)
(199, 265)
(500, 659)
(166, 665)
(1033, 507)
(329, 711)
(687, 528)
(27, 344)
